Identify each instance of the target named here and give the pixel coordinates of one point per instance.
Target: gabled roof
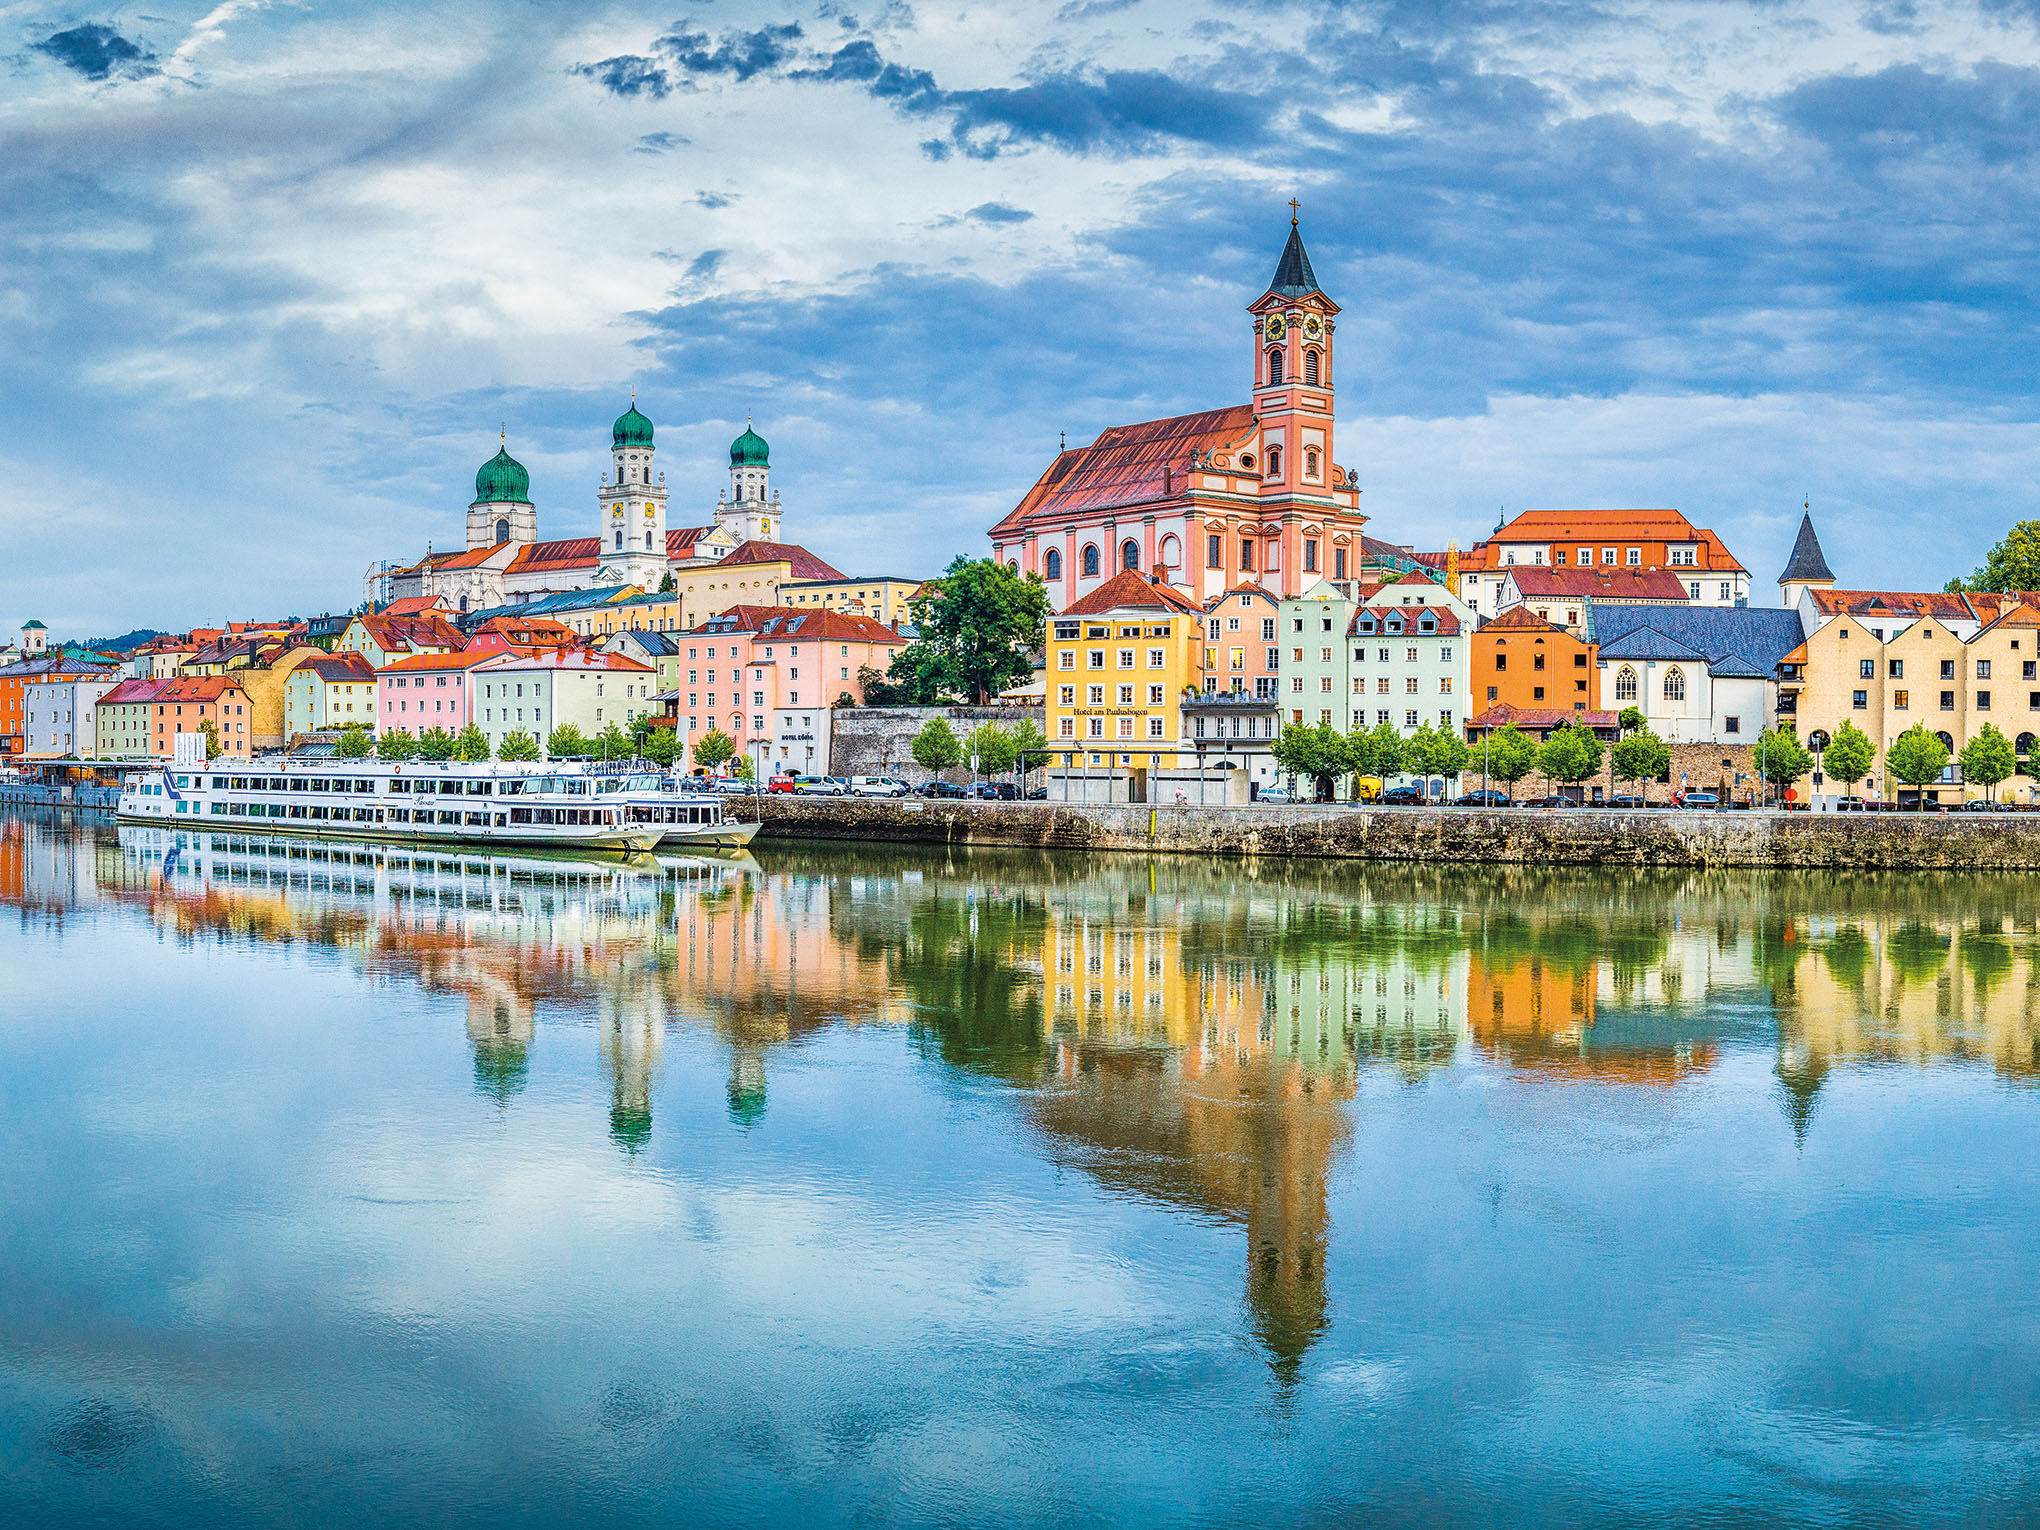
(2019, 613)
(1129, 465)
(1942, 605)
(1129, 590)
(680, 540)
(1539, 718)
(412, 605)
(1601, 527)
(1541, 583)
(202, 688)
(1519, 619)
(826, 626)
(51, 665)
(1760, 635)
(130, 691)
(804, 563)
(1736, 667)
(1807, 560)
(340, 667)
(427, 662)
(1649, 643)
(546, 557)
(1446, 623)
(650, 642)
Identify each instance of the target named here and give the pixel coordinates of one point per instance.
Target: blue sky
(274, 273)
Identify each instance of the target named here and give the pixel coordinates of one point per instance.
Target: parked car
(1981, 806)
(1851, 805)
(1482, 799)
(943, 789)
(996, 791)
(878, 786)
(1697, 799)
(1275, 794)
(1627, 800)
(819, 786)
(1037, 794)
(1401, 796)
(731, 784)
(1545, 802)
(781, 784)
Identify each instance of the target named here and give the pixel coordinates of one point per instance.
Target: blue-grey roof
(1759, 635)
(1807, 560)
(1293, 275)
(1736, 667)
(1649, 643)
(650, 642)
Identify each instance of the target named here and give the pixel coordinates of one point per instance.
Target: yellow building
(1886, 661)
(1119, 661)
(883, 597)
(322, 694)
(751, 576)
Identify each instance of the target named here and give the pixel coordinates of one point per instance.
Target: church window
(1338, 563)
(1051, 566)
(619, 541)
(1625, 684)
(1310, 461)
(1274, 462)
(1090, 561)
(1214, 552)
(648, 541)
(1274, 367)
(1310, 555)
(1310, 366)
(1675, 685)
(502, 532)
(1246, 555)
(1129, 554)
(1170, 556)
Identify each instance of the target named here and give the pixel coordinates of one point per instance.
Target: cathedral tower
(632, 511)
(751, 511)
(1293, 376)
(502, 511)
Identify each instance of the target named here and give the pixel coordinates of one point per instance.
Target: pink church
(1250, 495)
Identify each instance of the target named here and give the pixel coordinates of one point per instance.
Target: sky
(273, 275)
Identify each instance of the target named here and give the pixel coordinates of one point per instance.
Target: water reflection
(1190, 1035)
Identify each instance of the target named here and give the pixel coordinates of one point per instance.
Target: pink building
(428, 690)
(1242, 649)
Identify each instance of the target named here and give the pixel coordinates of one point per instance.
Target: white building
(60, 715)
(535, 695)
(1699, 674)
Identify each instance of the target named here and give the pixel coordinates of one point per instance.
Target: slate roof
(1760, 636)
(1736, 667)
(1649, 643)
(1807, 560)
(1293, 275)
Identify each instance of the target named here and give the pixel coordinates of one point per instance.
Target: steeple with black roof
(1807, 568)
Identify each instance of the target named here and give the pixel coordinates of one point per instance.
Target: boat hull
(721, 836)
(631, 838)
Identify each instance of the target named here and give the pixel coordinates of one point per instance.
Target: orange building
(1708, 572)
(1532, 665)
(183, 704)
(15, 680)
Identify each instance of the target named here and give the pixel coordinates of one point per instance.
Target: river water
(874, 1186)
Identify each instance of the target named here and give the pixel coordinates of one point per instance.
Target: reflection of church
(505, 563)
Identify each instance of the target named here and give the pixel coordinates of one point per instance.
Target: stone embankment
(1539, 837)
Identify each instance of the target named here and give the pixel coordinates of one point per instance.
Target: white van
(878, 786)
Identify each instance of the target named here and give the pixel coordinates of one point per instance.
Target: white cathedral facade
(505, 563)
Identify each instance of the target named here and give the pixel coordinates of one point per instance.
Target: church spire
(1293, 275)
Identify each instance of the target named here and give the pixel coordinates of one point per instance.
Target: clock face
(1275, 326)
(1312, 327)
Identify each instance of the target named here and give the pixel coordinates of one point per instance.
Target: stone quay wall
(879, 741)
(1543, 837)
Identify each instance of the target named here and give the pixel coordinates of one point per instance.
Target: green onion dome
(503, 480)
(749, 450)
(632, 428)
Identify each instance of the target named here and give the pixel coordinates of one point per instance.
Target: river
(857, 1185)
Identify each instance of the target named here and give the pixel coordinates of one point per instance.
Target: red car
(782, 784)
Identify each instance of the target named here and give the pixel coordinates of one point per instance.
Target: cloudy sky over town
(276, 273)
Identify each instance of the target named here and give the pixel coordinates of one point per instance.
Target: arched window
(1090, 560)
(463, 605)
(1817, 740)
(1675, 685)
(502, 532)
(1274, 462)
(648, 541)
(1274, 367)
(619, 541)
(1169, 555)
(1129, 554)
(1051, 566)
(1625, 684)
(1013, 566)
(1310, 366)
(1310, 460)
(1947, 743)
(2025, 743)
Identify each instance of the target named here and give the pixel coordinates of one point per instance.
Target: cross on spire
(1295, 207)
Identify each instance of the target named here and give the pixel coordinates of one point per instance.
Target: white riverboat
(438, 801)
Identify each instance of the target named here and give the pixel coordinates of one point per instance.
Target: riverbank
(1519, 836)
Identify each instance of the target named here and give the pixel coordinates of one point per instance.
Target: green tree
(1435, 751)
(1631, 719)
(396, 744)
(2013, 564)
(1030, 745)
(471, 744)
(1849, 755)
(669, 585)
(1781, 758)
(742, 768)
(661, 746)
(210, 731)
(354, 742)
(1376, 751)
(518, 746)
(991, 745)
(611, 744)
(1916, 757)
(1509, 755)
(1570, 755)
(935, 747)
(1987, 759)
(1641, 757)
(1316, 750)
(713, 750)
(566, 742)
(880, 691)
(977, 627)
(435, 744)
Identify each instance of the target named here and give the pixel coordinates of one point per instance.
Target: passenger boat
(440, 801)
(683, 818)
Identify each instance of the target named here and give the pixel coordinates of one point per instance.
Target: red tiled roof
(130, 691)
(1520, 619)
(805, 565)
(342, 666)
(827, 626)
(431, 661)
(1448, 623)
(197, 688)
(566, 658)
(469, 559)
(544, 557)
(1538, 718)
(1129, 590)
(1624, 584)
(1597, 526)
(1127, 465)
(412, 605)
(1942, 605)
(680, 541)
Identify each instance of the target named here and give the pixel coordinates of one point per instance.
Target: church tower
(1293, 378)
(632, 507)
(750, 512)
(1807, 568)
(502, 511)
